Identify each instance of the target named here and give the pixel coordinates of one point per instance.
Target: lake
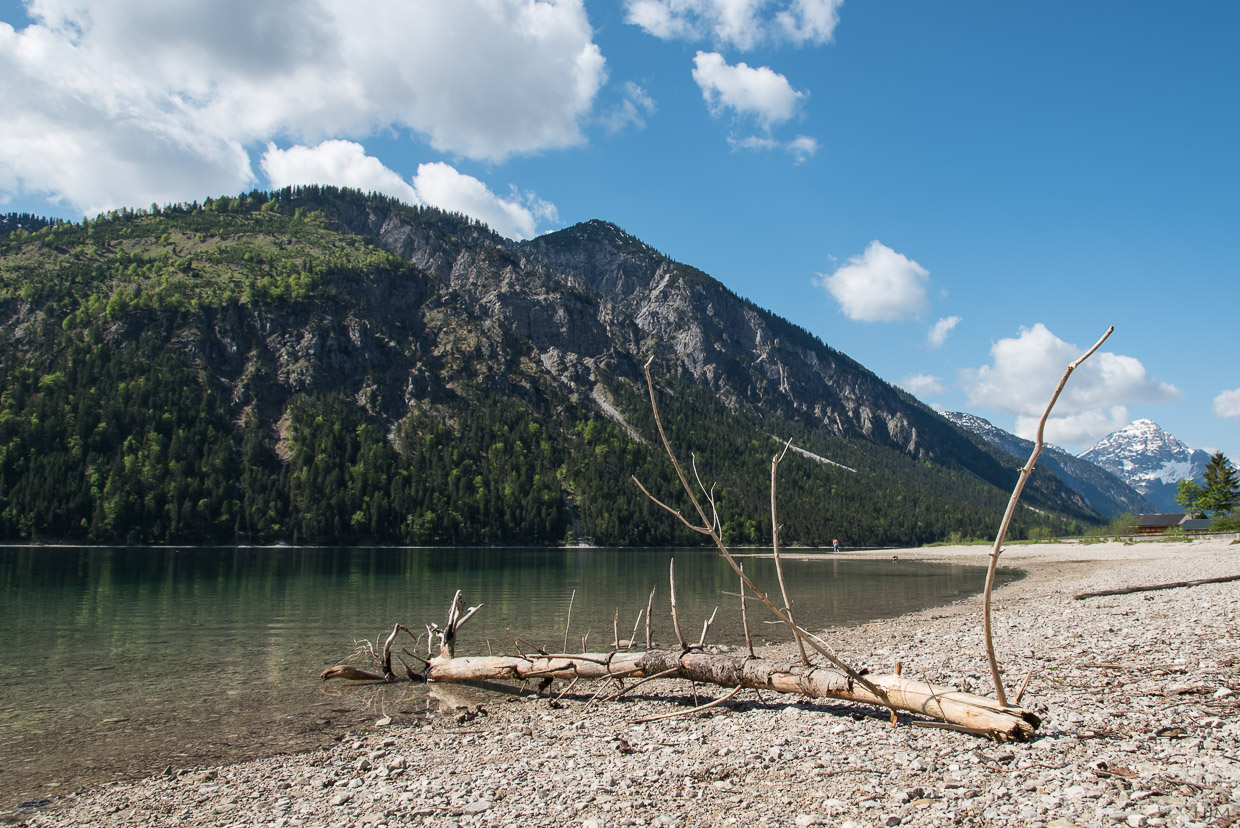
(119, 662)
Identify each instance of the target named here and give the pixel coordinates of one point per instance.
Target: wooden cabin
(1159, 523)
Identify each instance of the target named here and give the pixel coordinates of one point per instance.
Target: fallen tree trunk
(962, 711)
(1155, 587)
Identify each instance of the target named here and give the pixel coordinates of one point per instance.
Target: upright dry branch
(671, 585)
(649, 607)
(779, 567)
(745, 616)
(710, 527)
(1025, 472)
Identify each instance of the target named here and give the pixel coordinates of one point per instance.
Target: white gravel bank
(1140, 698)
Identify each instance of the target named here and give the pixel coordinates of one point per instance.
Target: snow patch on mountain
(1104, 491)
(1149, 459)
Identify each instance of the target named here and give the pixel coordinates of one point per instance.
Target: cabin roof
(1162, 519)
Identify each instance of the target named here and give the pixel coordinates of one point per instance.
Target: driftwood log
(962, 711)
(952, 709)
(1156, 587)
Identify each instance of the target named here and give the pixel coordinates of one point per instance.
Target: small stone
(805, 820)
(340, 798)
(477, 807)
(363, 764)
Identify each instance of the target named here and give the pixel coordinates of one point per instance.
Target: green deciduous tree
(1188, 495)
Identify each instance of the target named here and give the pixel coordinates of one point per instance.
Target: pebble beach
(1139, 697)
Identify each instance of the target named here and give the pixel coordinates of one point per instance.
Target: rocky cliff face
(1102, 490)
(592, 299)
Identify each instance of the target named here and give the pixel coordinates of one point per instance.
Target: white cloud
(337, 163)
(633, 110)
(759, 93)
(743, 24)
(938, 333)
(442, 186)
(801, 148)
(123, 102)
(1081, 429)
(1227, 404)
(1025, 370)
(809, 21)
(346, 164)
(919, 384)
(880, 285)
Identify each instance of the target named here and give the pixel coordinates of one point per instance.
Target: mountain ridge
(1102, 490)
(367, 370)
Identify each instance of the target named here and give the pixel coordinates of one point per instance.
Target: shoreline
(1139, 695)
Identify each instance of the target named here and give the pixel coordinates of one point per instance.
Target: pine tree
(1221, 491)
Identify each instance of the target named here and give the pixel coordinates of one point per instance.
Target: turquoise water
(118, 662)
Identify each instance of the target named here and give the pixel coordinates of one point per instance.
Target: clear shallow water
(119, 662)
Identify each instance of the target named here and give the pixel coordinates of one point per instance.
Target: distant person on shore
(835, 545)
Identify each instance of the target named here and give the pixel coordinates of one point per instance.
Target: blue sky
(962, 196)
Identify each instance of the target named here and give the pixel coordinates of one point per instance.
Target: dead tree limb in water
(995, 674)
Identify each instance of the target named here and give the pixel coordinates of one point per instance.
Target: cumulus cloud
(1227, 404)
(337, 163)
(1025, 370)
(130, 101)
(938, 333)
(742, 24)
(442, 186)
(919, 384)
(758, 93)
(346, 164)
(880, 285)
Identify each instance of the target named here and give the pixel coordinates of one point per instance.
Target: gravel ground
(1139, 695)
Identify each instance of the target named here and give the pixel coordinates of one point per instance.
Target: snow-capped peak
(1149, 459)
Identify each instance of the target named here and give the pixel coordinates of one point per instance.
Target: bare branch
(669, 509)
(745, 615)
(633, 635)
(723, 549)
(649, 607)
(1025, 472)
(706, 627)
(569, 620)
(691, 711)
(671, 578)
(779, 567)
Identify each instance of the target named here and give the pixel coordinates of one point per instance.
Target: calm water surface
(120, 662)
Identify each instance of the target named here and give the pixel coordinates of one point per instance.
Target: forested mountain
(316, 365)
